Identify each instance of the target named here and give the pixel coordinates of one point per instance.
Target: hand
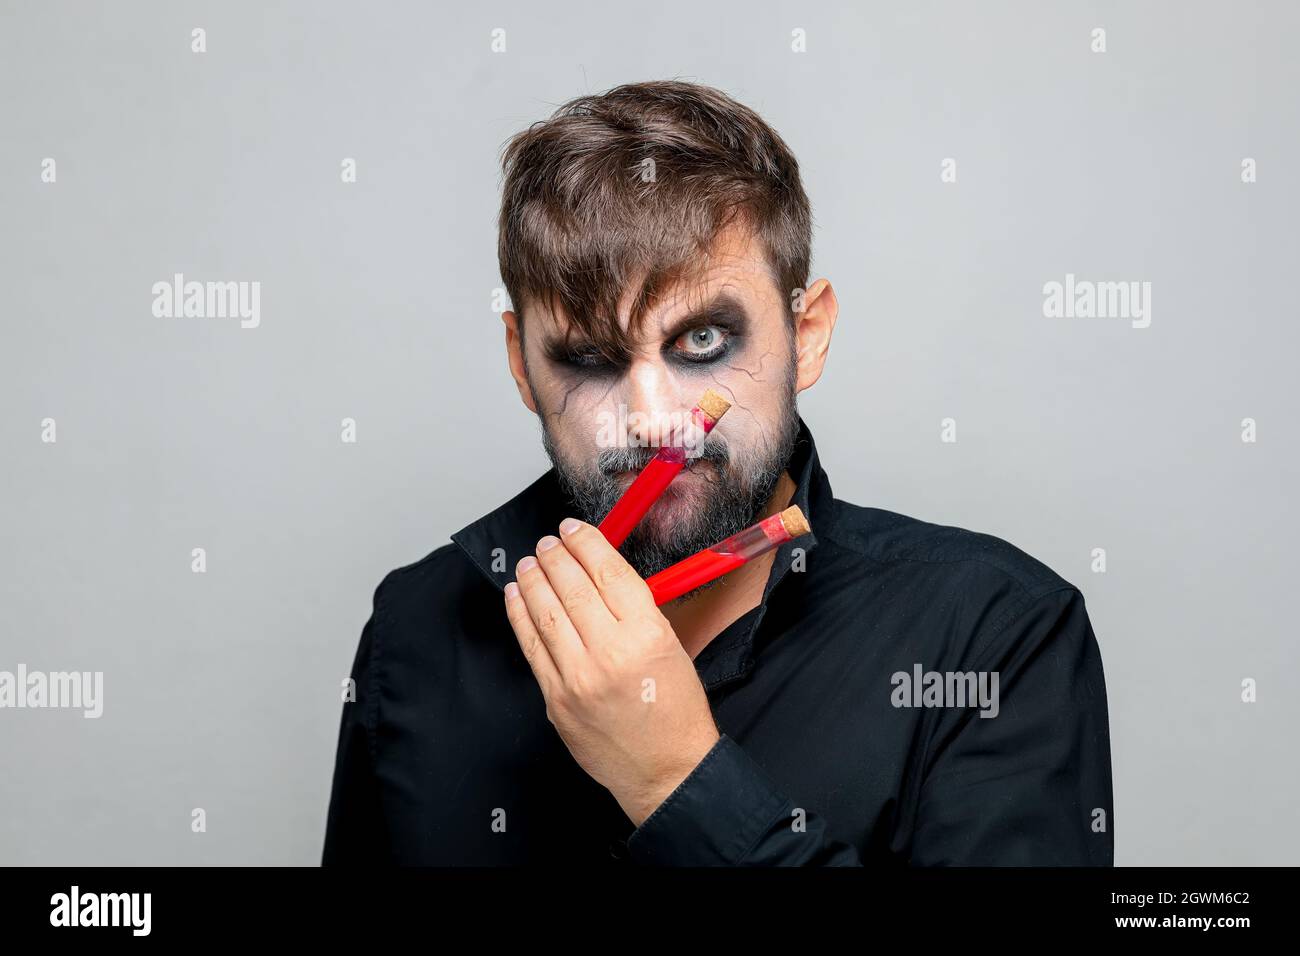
(620, 689)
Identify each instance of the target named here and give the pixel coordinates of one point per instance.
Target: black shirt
(834, 750)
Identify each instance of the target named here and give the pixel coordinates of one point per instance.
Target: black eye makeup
(700, 338)
(583, 357)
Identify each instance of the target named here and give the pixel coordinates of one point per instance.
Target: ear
(515, 358)
(813, 328)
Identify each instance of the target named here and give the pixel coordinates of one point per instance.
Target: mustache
(612, 461)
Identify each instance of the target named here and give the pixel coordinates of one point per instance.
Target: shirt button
(618, 849)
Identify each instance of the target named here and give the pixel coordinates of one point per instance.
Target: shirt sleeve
(729, 812)
(354, 829)
(1030, 786)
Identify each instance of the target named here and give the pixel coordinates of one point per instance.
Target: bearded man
(521, 698)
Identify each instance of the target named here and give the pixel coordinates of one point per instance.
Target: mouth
(694, 466)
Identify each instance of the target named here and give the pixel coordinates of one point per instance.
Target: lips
(692, 465)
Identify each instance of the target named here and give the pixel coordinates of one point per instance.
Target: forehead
(736, 270)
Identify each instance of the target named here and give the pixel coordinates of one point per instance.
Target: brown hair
(580, 218)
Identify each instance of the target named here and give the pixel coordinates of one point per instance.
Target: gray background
(222, 689)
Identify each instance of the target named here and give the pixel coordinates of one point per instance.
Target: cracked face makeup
(729, 330)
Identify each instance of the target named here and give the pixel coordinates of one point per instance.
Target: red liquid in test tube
(727, 555)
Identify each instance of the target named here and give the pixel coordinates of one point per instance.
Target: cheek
(752, 421)
(574, 426)
(563, 399)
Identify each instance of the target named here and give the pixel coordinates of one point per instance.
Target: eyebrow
(725, 310)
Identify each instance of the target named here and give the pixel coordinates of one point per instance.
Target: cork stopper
(713, 405)
(794, 521)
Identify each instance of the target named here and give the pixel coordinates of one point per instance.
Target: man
(880, 691)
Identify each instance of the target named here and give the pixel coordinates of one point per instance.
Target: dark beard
(735, 501)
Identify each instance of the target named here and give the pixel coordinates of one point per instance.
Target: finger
(549, 617)
(530, 642)
(578, 595)
(625, 594)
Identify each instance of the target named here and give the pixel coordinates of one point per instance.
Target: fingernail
(570, 525)
(527, 564)
(512, 590)
(547, 543)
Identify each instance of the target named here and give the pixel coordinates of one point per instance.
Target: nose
(654, 402)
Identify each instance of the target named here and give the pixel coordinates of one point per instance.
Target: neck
(697, 619)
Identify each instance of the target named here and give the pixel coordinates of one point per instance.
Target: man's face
(729, 330)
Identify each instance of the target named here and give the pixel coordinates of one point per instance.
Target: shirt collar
(496, 542)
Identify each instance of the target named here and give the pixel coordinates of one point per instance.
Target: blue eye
(702, 344)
